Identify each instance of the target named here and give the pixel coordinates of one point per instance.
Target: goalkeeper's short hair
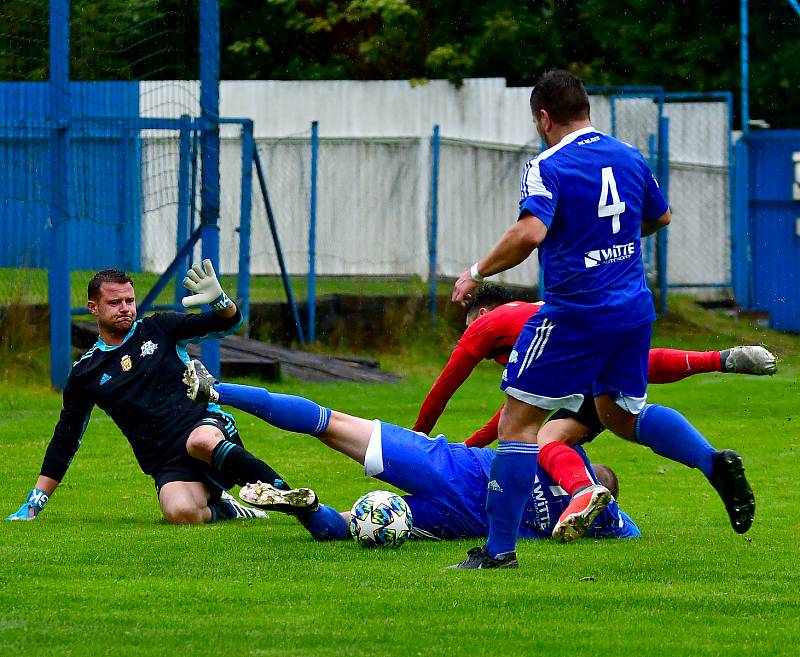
(106, 276)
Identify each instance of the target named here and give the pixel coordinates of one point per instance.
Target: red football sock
(670, 365)
(564, 466)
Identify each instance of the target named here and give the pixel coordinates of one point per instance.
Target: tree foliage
(684, 46)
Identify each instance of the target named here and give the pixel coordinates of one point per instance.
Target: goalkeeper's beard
(117, 327)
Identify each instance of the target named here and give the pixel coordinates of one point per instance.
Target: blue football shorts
(446, 481)
(447, 485)
(554, 364)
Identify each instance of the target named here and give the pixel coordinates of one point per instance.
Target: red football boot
(581, 512)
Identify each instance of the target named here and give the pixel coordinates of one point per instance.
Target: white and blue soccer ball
(379, 519)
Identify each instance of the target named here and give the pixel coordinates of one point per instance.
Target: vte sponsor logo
(605, 256)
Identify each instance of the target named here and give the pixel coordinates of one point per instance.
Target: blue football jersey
(592, 192)
(548, 501)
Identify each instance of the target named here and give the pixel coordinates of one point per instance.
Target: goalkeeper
(133, 372)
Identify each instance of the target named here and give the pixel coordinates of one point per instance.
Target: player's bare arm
(514, 247)
(650, 227)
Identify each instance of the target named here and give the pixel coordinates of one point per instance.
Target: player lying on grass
(493, 324)
(447, 481)
(134, 373)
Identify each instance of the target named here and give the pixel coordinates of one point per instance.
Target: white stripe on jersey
(532, 181)
(531, 184)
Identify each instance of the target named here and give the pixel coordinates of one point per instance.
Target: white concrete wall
(374, 173)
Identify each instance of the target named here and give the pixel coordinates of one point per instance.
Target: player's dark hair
(489, 296)
(607, 477)
(561, 95)
(106, 276)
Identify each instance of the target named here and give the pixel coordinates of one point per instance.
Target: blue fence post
(745, 66)
(613, 114)
(246, 203)
(184, 206)
(59, 288)
(662, 237)
(651, 161)
(741, 259)
(312, 237)
(433, 230)
(209, 111)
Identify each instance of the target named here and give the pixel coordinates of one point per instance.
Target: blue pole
(795, 5)
(184, 172)
(731, 183)
(209, 112)
(745, 57)
(193, 192)
(433, 234)
(651, 160)
(662, 237)
(243, 282)
(312, 237)
(613, 112)
(61, 196)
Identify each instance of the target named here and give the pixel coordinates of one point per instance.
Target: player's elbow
(664, 219)
(530, 232)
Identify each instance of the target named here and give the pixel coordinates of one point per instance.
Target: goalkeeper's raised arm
(134, 373)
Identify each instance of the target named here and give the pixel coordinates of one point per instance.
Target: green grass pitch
(100, 574)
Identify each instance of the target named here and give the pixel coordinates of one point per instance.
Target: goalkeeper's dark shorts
(586, 415)
(177, 465)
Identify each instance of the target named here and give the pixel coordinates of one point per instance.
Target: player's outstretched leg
(748, 360)
(583, 508)
(669, 434)
(670, 365)
(282, 411)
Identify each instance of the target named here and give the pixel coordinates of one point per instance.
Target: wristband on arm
(475, 274)
(222, 302)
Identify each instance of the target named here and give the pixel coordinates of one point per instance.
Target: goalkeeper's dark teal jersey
(139, 384)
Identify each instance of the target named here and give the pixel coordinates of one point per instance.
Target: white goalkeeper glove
(202, 281)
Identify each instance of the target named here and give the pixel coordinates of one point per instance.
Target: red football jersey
(493, 336)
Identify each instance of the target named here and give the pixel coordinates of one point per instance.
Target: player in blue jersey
(447, 481)
(134, 374)
(585, 202)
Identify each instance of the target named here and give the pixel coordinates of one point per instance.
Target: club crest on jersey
(126, 363)
(149, 348)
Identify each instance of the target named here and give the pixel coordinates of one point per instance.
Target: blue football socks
(325, 524)
(510, 484)
(283, 411)
(669, 434)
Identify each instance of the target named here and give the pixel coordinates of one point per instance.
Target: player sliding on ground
(494, 321)
(585, 203)
(447, 481)
(134, 373)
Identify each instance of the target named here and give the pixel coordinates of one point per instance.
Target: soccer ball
(380, 518)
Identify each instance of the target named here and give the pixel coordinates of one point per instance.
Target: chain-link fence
(700, 193)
